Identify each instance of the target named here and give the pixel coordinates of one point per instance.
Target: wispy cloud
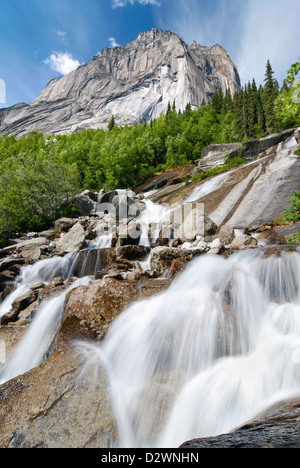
(122, 3)
(62, 62)
(62, 35)
(113, 42)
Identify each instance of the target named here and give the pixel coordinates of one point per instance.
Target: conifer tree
(217, 100)
(270, 94)
(112, 123)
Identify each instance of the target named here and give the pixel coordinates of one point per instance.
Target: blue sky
(44, 39)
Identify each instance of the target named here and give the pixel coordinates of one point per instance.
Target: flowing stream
(218, 347)
(208, 354)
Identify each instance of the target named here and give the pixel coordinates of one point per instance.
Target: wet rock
(177, 266)
(226, 234)
(19, 305)
(278, 429)
(8, 263)
(27, 314)
(8, 288)
(6, 276)
(90, 310)
(24, 301)
(162, 257)
(90, 261)
(57, 406)
(244, 242)
(133, 252)
(129, 233)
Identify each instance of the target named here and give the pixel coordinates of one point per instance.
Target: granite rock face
(134, 83)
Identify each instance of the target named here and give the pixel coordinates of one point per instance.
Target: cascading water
(42, 271)
(151, 220)
(37, 340)
(208, 354)
(208, 187)
(211, 352)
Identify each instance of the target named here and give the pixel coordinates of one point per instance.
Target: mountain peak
(134, 83)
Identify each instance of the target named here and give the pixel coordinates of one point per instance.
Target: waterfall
(151, 220)
(210, 353)
(37, 340)
(42, 271)
(203, 357)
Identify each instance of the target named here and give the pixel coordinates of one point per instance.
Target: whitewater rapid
(206, 355)
(218, 347)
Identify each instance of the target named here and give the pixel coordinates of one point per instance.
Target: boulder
(19, 304)
(73, 241)
(195, 224)
(9, 262)
(162, 257)
(24, 301)
(216, 155)
(32, 249)
(215, 247)
(57, 405)
(64, 224)
(129, 233)
(244, 242)
(90, 310)
(278, 428)
(133, 252)
(226, 234)
(86, 203)
(120, 204)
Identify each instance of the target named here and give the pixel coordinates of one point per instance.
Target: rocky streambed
(124, 248)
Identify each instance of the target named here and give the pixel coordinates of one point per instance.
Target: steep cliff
(134, 83)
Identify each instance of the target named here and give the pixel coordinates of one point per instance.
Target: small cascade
(208, 187)
(86, 263)
(36, 343)
(151, 220)
(42, 271)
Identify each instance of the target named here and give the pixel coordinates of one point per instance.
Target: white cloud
(62, 62)
(113, 42)
(62, 35)
(122, 3)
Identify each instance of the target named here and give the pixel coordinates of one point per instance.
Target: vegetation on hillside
(292, 215)
(40, 175)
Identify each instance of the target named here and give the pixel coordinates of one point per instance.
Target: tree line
(41, 174)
